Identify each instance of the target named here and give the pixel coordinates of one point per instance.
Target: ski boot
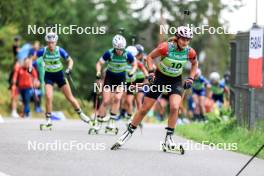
(48, 125)
(140, 125)
(97, 124)
(111, 126)
(83, 117)
(122, 114)
(104, 119)
(125, 136)
(169, 145)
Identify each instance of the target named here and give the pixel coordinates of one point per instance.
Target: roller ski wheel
(45, 127)
(116, 146)
(111, 130)
(93, 131)
(179, 150)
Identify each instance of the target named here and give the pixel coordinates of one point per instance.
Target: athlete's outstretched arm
(99, 65)
(154, 53)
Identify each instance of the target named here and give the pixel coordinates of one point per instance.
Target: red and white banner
(255, 58)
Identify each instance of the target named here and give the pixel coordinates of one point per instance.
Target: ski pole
(183, 95)
(75, 89)
(250, 160)
(181, 103)
(132, 84)
(185, 14)
(96, 104)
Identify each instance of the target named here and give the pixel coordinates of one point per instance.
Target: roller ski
(169, 145)
(172, 148)
(96, 125)
(47, 126)
(111, 126)
(124, 138)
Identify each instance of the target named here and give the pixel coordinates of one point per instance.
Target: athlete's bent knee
(174, 109)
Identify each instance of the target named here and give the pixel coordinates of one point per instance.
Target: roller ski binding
(96, 126)
(47, 126)
(125, 136)
(111, 126)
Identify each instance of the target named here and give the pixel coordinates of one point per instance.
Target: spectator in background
(14, 92)
(13, 85)
(16, 46)
(25, 83)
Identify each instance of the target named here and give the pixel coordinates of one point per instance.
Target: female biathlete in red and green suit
(174, 55)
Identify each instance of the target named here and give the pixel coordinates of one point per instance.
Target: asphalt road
(25, 150)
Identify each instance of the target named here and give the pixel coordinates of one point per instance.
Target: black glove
(68, 71)
(130, 74)
(151, 78)
(188, 83)
(98, 75)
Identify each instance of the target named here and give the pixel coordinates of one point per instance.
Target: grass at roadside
(217, 130)
(4, 100)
